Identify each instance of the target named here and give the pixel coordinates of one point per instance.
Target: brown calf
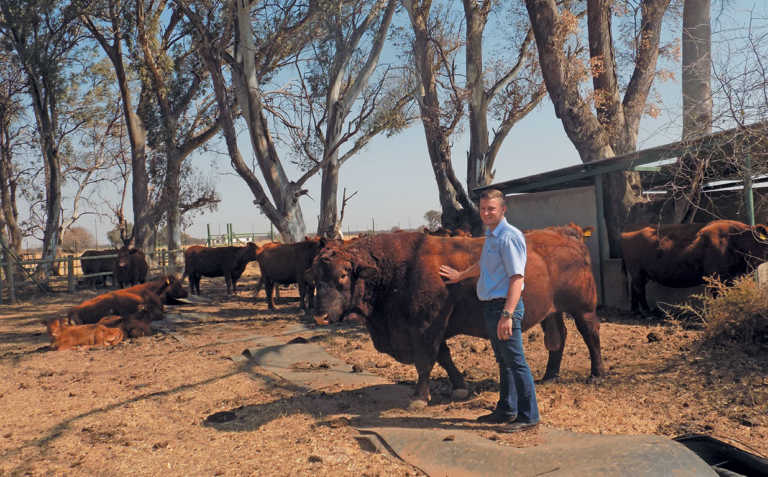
(64, 337)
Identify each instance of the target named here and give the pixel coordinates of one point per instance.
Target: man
(501, 269)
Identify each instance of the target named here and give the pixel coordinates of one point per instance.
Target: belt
(495, 300)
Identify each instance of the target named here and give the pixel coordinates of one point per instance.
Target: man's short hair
(492, 194)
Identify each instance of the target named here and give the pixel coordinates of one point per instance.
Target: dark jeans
(517, 395)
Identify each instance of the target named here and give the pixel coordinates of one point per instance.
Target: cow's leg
(228, 280)
(302, 294)
(637, 293)
(197, 283)
(268, 289)
(588, 325)
(460, 390)
(424, 364)
(554, 339)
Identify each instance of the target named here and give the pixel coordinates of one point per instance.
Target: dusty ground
(151, 405)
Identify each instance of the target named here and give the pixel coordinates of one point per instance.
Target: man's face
(492, 211)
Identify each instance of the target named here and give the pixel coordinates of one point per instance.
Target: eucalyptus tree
(611, 128)
(697, 106)
(506, 88)
(339, 80)
(498, 89)
(13, 140)
(42, 35)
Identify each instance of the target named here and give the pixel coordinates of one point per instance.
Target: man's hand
(450, 274)
(504, 328)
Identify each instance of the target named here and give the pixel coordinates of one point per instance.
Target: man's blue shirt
(503, 257)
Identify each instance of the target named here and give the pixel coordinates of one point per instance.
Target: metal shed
(575, 194)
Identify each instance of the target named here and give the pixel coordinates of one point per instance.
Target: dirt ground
(176, 403)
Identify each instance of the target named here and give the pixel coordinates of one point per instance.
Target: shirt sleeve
(513, 255)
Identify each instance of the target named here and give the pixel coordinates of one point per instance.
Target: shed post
(601, 231)
(749, 201)
(71, 274)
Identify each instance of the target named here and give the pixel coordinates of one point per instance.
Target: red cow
(133, 325)
(167, 288)
(64, 337)
(117, 302)
(285, 264)
(392, 281)
(98, 265)
(680, 256)
(131, 267)
(229, 262)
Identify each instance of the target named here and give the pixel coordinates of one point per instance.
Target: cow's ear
(365, 272)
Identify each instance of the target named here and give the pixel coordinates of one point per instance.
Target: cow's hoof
(555, 378)
(417, 405)
(595, 379)
(460, 394)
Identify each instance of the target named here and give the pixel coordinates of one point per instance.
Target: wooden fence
(159, 261)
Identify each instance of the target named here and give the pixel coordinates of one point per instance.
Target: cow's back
(209, 261)
(680, 255)
(286, 263)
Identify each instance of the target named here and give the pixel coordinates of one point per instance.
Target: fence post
(271, 232)
(9, 270)
(208, 242)
(71, 274)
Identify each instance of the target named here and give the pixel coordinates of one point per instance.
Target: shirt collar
(496, 231)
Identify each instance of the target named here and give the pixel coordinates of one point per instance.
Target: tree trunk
(697, 104)
(478, 172)
(137, 134)
(329, 213)
(458, 209)
(614, 129)
(172, 198)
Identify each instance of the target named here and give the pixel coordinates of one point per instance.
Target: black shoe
(496, 418)
(518, 426)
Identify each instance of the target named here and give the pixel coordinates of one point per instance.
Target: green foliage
(733, 315)
(434, 219)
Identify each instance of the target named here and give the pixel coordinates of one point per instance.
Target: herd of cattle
(391, 283)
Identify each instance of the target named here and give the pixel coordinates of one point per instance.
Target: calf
(64, 337)
(229, 262)
(285, 264)
(117, 302)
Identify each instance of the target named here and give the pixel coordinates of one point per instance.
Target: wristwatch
(506, 314)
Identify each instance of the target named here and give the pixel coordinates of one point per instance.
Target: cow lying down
(65, 336)
(392, 282)
(146, 298)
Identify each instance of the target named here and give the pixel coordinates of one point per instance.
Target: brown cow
(229, 262)
(285, 264)
(98, 265)
(680, 256)
(131, 267)
(133, 325)
(168, 288)
(392, 281)
(64, 337)
(117, 302)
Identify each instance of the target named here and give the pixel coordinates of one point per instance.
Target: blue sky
(393, 176)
